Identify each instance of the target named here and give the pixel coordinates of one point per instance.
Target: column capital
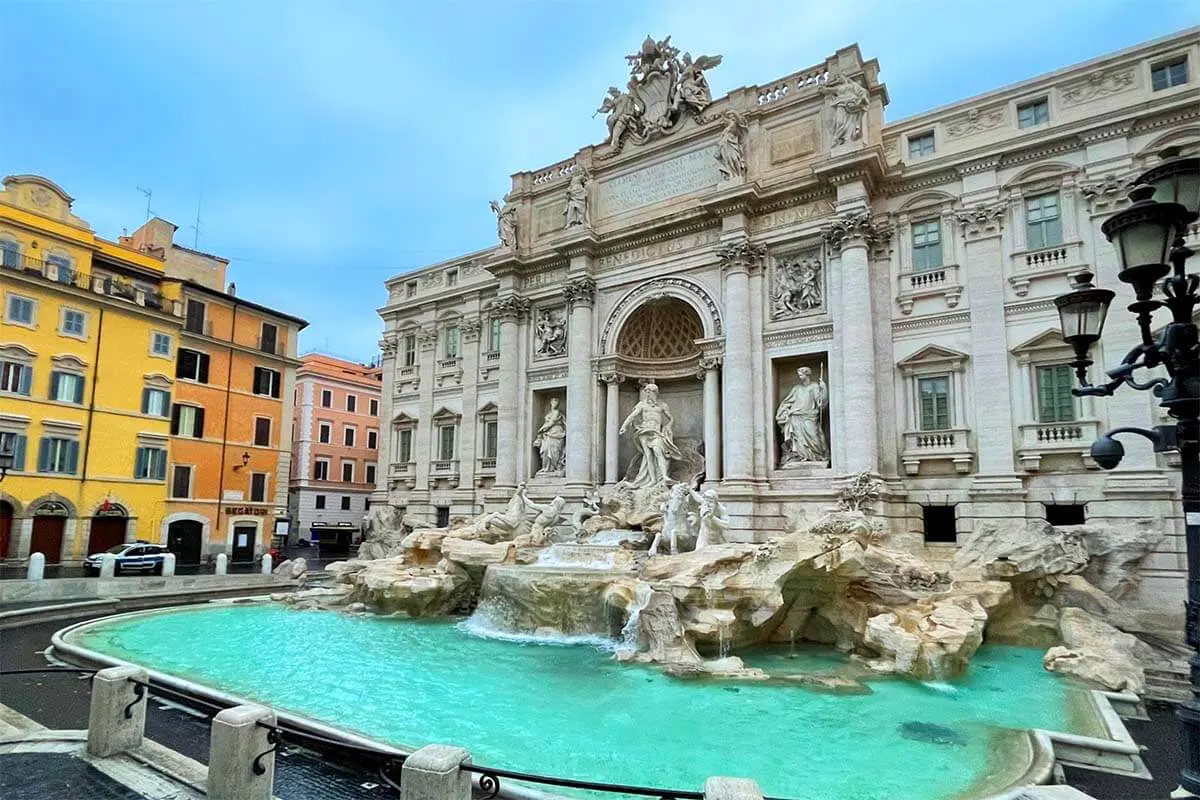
(510, 307)
(741, 255)
(612, 378)
(982, 220)
(388, 345)
(857, 229)
(470, 327)
(428, 337)
(580, 291)
(706, 365)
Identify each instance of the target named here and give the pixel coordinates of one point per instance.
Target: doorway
(184, 539)
(47, 537)
(106, 532)
(243, 544)
(6, 527)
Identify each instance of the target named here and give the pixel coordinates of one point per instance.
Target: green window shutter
(199, 432)
(203, 367)
(79, 390)
(25, 380)
(72, 457)
(55, 378)
(18, 447)
(160, 465)
(139, 463)
(44, 455)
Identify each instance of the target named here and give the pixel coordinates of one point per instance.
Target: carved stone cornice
(388, 345)
(857, 228)
(741, 255)
(581, 291)
(982, 220)
(1109, 193)
(512, 306)
(470, 328)
(428, 337)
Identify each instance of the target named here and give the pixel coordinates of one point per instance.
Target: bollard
(168, 567)
(732, 789)
(108, 565)
(37, 567)
(241, 755)
(222, 563)
(266, 564)
(117, 719)
(432, 773)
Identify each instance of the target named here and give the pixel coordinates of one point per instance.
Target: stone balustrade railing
(915, 284)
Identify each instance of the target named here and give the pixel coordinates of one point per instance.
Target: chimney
(232, 290)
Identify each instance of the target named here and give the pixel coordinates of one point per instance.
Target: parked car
(139, 557)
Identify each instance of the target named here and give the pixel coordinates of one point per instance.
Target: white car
(140, 557)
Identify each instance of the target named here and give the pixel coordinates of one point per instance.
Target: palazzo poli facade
(813, 292)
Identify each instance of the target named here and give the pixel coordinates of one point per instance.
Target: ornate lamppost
(1149, 239)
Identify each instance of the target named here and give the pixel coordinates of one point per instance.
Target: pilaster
(388, 346)
(510, 309)
(580, 295)
(427, 341)
(739, 258)
(468, 428)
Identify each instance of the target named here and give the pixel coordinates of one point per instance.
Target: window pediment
(68, 362)
(927, 203)
(403, 420)
(933, 357)
(1046, 346)
(157, 380)
(444, 414)
(488, 409)
(17, 352)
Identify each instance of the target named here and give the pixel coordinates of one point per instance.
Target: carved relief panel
(797, 284)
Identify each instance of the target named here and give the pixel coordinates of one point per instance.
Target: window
(319, 502)
(150, 464)
(934, 394)
(72, 323)
(442, 516)
(940, 525)
(351, 403)
(920, 145)
(11, 442)
(1055, 401)
(156, 402)
(19, 310)
(452, 277)
(58, 455)
(326, 398)
(410, 289)
(445, 442)
(262, 431)
(15, 377)
(62, 267)
(160, 344)
(494, 337)
(347, 472)
(324, 431)
(410, 350)
(450, 343)
(258, 487)
(373, 407)
(187, 421)
(348, 435)
(370, 473)
(10, 253)
(66, 387)
(490, 427)
(1033, 113)
(194, 321)
(927, 245)
(268, 338)
(1066, 513)
(372, 440)
(321, 469)
(345, 503)
(181, 481)
(1043, 227)
(266, 382)
(191, 365)
(404, 446)
(1171, 73)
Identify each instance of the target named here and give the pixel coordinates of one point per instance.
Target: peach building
(335, 444)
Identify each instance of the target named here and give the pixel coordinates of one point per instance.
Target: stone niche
(685, 399)
(540, 406)
(784, 378)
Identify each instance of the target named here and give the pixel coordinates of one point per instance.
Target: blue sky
(334, 144)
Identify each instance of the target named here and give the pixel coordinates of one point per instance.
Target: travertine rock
(927, 642)
(1097, 652)
(292, 568)
(471, 553)
(1116, 551)
(1021, 549)
(392, 586)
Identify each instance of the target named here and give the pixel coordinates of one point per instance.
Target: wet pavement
(40, 776)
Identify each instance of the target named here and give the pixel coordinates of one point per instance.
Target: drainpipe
(87, 436)
(225, 420)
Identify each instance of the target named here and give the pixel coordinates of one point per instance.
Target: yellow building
(88, 333)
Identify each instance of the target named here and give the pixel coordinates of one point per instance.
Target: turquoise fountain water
(573, 711)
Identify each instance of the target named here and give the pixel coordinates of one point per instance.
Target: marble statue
(576, 211)
(800, 421)
(675, 518)
(622, 111)
(509, 522)
(797, 287)
(550, 334)
(590, 507)
(713, 522)
(506, 224)
(730, 157)
(550, 441)
(693, 86)
(655, 437)
(548, 517)
(849, 101)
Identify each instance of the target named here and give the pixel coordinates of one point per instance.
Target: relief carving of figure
(849, 101)
(550, 440)
(576, 211)
(731, 160)
(550, 334)
(797, 287)
(655, 437)
(800, 418)
(506, 224)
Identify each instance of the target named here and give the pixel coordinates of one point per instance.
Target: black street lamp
(1147, 235)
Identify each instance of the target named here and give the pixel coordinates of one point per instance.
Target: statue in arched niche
(655, 437)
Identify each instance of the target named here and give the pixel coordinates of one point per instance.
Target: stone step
(1171, 687)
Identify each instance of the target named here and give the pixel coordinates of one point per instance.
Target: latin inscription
(790, 216)
(658, 249)
(677, 176)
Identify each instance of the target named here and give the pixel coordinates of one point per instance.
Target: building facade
(88, 335)
(815, 293)
(335, 444)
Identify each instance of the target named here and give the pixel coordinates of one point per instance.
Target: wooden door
(48, 537)
(6, 528)
(106, 532)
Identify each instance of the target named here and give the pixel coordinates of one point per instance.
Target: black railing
(70, 276)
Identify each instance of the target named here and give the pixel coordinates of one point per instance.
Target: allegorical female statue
(550, 441)
(800, 420)
(576, 211)
(655, 437)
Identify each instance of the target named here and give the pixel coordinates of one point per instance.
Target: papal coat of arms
(662, 88)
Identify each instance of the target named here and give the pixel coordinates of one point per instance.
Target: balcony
(1060, 261)
(951, 445)
(444, 469)
(914, 285)
(406, 380)
(492, 356)
(1040, 439)
(107, 285)
(449, 371)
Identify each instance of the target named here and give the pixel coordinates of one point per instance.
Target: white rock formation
(1098, 652)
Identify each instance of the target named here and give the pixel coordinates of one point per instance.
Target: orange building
(336, 444)
(235, 370)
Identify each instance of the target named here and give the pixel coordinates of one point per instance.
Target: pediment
(933, 355)
(41, 196)
(157, 380)
(489, 408)
(69, 361)
(403, 420)
(16, 351)
(1049, 339)
(444, 413)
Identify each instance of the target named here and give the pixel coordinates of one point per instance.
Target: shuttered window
(187, 421)
(156, 402)
(58, 455)
(14, 443)
(150, 464)
(266, 382)
(191, 365)
(935, 403)
(15, 377)
(1055, 401)
(66, 387)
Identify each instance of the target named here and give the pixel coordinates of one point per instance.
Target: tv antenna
(149, 193)
(196, 227)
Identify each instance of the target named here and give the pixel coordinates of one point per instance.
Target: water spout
(631, 630)
(792, 643)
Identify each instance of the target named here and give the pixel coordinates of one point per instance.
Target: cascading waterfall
(631, 630)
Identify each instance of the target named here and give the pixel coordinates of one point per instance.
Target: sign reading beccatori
(676, 176)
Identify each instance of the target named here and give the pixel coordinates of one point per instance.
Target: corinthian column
(852, 235)
(509, 309)
(738, 259)
(580, 294)
(612, 423)
(712, 418)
